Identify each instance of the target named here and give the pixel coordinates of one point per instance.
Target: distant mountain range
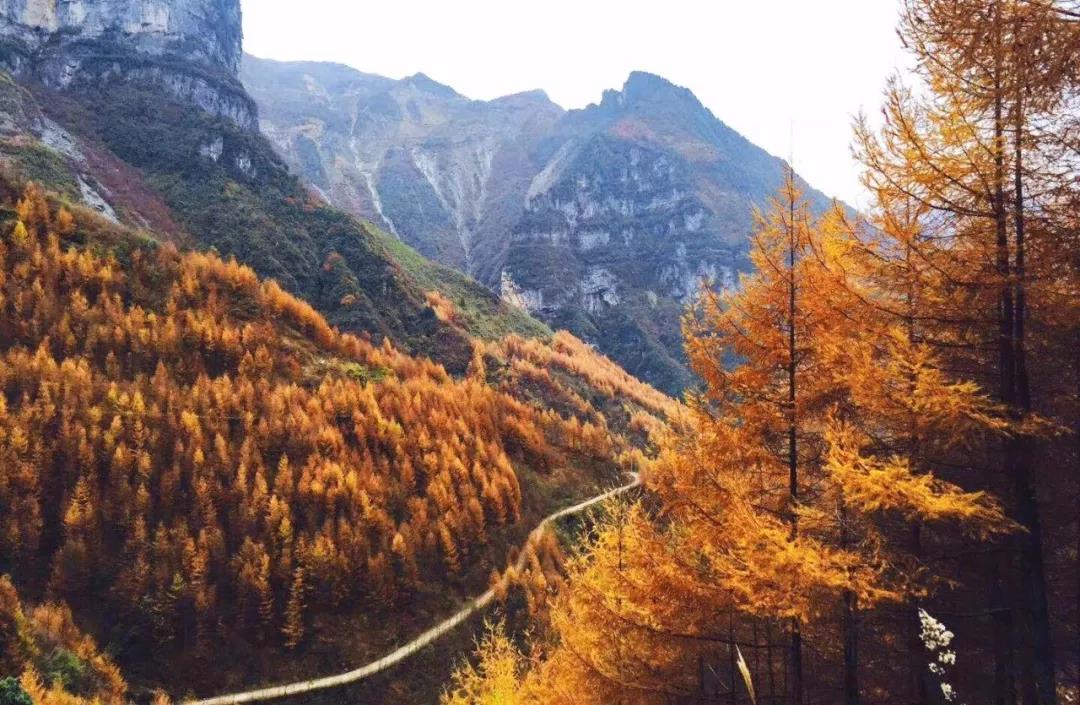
(603, 220)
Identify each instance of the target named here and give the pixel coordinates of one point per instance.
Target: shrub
(11, 693)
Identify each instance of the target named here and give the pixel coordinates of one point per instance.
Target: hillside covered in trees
(194, 460)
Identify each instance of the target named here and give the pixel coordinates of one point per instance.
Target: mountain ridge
(602, 220)
(186, 199)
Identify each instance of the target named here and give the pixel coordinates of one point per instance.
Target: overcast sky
(787, 74)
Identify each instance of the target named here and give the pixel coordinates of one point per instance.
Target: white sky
(772, 69)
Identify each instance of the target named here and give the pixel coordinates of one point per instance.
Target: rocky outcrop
(190, 48)
(605, 221)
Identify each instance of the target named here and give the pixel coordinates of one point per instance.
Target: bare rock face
(192, 48)
(605, 221)
(444, 173)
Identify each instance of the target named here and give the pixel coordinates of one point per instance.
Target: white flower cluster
(936, 638)
(934, 634)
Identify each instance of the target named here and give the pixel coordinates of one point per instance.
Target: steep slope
(36, 147)
(603, 220)
(647, 195)
(230, 191)
(135, 108)
(445, 173)
(198, 463)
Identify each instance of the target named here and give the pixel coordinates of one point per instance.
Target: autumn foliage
(196, 454)
(780, 496)
(55, 662)
(887, 419)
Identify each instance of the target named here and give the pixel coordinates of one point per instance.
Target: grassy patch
(483, 313)
(44, 166)
(321, 367)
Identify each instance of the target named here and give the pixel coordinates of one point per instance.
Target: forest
(876, 499)
(194, 458)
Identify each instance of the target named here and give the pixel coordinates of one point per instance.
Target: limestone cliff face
(192, 48)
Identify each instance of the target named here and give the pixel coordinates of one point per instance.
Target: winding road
(410, 648)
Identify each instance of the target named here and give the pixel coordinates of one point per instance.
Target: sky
(790, 75)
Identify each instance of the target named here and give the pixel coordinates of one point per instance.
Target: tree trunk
(1032, 566)
(732, 667)
(769, 661)
(786, 653)
(916, 650)
(850, 624)
(1076, 500)
(851, 650)
(796, 663)
(1004, 667)
(796, 683)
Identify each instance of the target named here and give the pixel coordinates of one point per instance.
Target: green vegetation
(43, 165)
(234, 195)
(11, 693)
(322, 367)
(28, 159)
(64, 666)
(484, 314)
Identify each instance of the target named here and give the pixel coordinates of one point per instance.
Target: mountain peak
(645, 79)
(423, 82)
(556, 210)
(650, 93)
(642, 86)
(537, 94)
(536, 98)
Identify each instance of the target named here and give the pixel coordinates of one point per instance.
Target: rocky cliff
(192, 48)
(445, 173)
(604, 220)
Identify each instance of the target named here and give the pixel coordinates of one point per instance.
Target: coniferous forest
(259, 445)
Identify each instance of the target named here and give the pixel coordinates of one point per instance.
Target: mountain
(136, 108)
(445, 173)
(234, 419)
(602, 220)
